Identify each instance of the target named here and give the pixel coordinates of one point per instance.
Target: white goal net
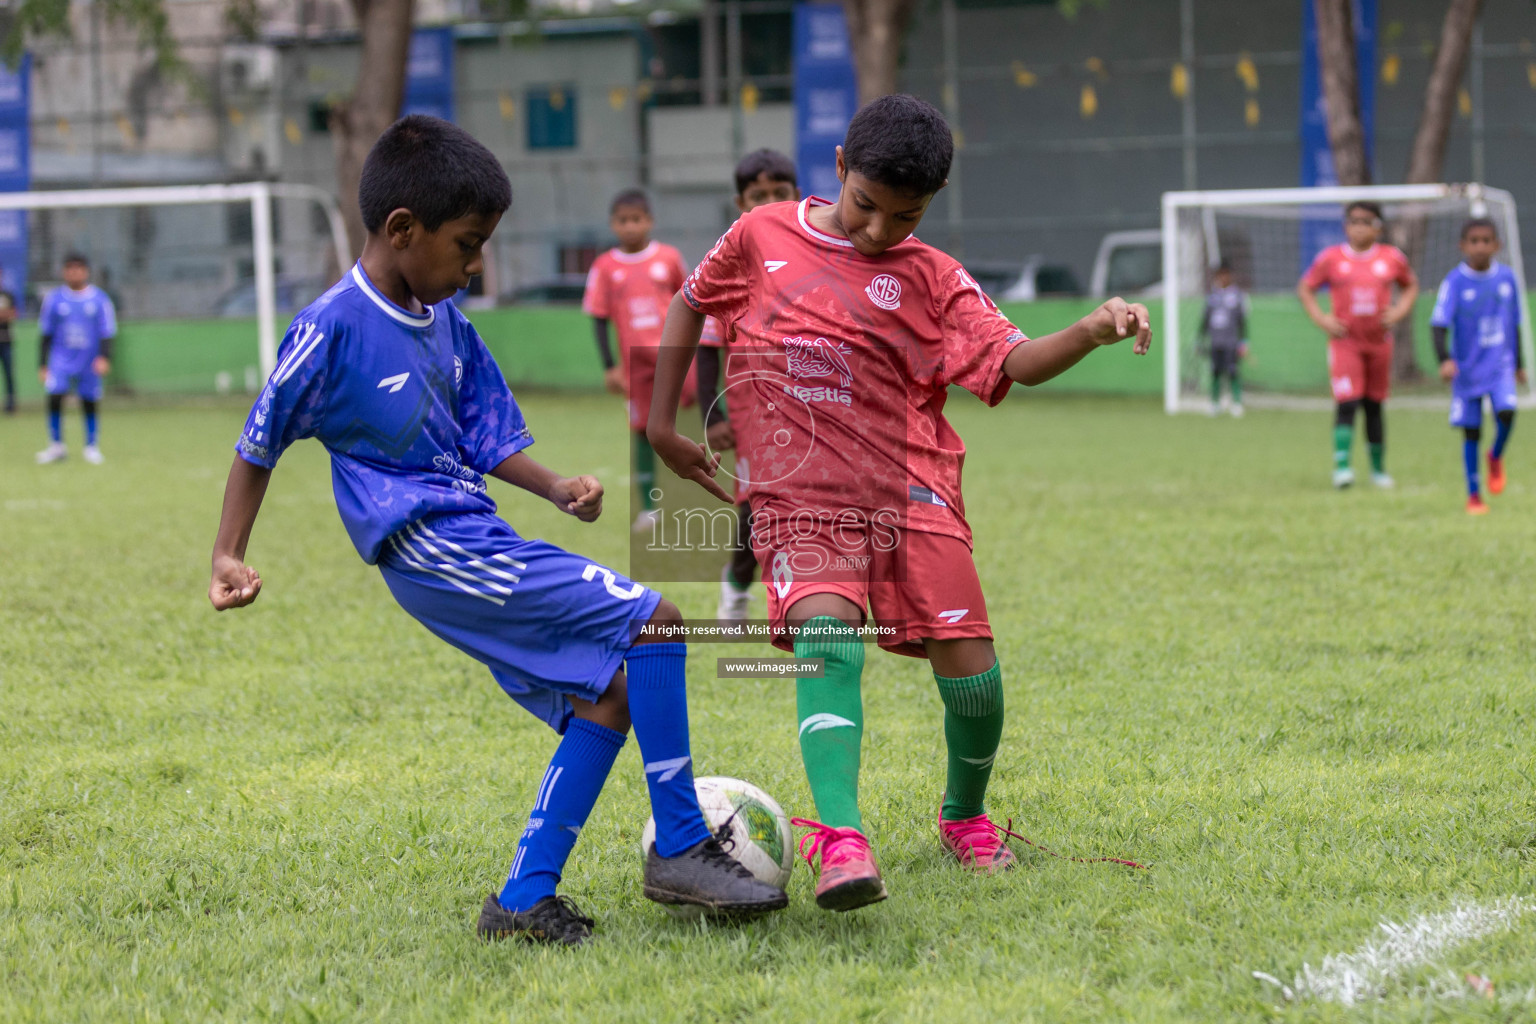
(1268, 238)
(204, 277)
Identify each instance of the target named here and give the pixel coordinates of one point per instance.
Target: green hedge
(551, 347)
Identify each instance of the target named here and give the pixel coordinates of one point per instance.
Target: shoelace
(1008, 830)
(567, 918)
(820, 837)
(712, 850)
(977, 832)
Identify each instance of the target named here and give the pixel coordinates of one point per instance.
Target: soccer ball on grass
(749, 823)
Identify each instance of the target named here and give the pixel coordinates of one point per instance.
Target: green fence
(551, 347)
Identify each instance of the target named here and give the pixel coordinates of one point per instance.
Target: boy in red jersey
(859, 329)
(762, 177)
(631, 285)
(1359, 273)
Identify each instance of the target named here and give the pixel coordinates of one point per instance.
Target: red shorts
(915, 585)
(640, 379)
(1360, 369)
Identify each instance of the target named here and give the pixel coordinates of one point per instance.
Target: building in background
(1069, 129)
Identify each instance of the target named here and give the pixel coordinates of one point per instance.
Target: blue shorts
(549, 625)
(87, 382)
(1467, 407)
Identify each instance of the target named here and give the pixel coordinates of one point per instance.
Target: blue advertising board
(826, 94)
(429, 74)
(15, 171)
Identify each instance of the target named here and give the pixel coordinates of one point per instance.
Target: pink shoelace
(973, 836)
(821, 839)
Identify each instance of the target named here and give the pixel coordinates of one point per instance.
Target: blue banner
(1316, 153)
(826, 94)
(429, 74)
(15, 171)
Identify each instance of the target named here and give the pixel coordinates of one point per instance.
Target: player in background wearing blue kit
(1479, 304)
(76, 327)
(414, 412)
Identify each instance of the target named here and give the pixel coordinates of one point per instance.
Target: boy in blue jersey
(76, 328)
(402, 392)
(1479, 305)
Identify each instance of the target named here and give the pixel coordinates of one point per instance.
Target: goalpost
(1268, 238)
(176, 262)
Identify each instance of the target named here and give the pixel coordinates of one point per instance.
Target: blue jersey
(1482, 311)
(412, 409)
(78, 322)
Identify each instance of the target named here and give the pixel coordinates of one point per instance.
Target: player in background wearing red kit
(860, 330)
(762, 177)
(1359, 273)
(631, 285)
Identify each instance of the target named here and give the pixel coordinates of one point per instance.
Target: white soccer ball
(759, 836)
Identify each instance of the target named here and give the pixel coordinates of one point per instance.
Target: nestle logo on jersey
(808, 359)
(885, 292)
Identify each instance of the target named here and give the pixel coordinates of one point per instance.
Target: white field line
(1350, 978)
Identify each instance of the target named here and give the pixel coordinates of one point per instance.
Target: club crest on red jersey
(884, 291)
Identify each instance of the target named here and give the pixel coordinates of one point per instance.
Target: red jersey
(714, 333)
(846, 361)
(633, 289)
(1361, 283)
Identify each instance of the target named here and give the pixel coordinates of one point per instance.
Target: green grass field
(1309, 711)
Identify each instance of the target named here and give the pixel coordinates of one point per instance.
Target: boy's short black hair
(630, 197)
(901, 142)
(1224, 267)
(1374, 209)
(76, 257)
(433, 168)
(1479, 222)
(771, 162)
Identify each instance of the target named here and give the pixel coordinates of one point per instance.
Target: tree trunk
(1426, 161)
(357, 122)
(876, 29)
(1341, 90)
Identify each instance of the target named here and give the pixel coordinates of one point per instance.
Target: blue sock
(658, 707)
(55, 426)
(1469, 460)
(566, 796)
(90, 426)
(1505, 423)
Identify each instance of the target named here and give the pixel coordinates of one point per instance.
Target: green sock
(1237, 389)
(973, 724)
(1215, 388)
(645, 470)
(1378, 458)
(831, 714)
(1343, 437)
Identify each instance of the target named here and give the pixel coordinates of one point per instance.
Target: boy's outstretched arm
(580, 496)
(683, 456)
(235, 584)
(1042, 358)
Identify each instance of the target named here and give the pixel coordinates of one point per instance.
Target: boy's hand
(101, 366)
(1242, 350)
(1333, 326)
(1117, 320)
(1521, 377)
(1448, 370)
(690, 461)
(42, 375)
(580, 496)
(613, 380)
(721, 436)
(234, 585)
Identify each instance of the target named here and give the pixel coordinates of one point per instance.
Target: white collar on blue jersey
(1480, 275)
(403, 316)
